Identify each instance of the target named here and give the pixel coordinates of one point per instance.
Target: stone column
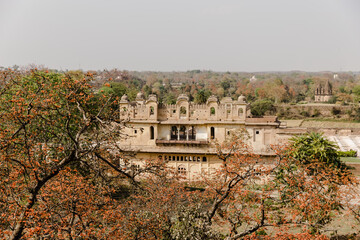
(178, 132)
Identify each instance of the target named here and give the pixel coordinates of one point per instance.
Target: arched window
(228, 107)
(240, 112)
(182, 111)
(151, 132)
(152, 111)
(204, 159)
(124, 109)
(182, 133)
(212, 132)
(212, 111)
(174, 133)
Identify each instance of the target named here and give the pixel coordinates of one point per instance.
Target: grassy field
(329, 124)
(322, 123)
(350, 159)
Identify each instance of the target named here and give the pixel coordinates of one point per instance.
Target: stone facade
(323, 93)
(185, 133)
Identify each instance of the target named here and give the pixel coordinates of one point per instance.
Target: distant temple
(323, 93)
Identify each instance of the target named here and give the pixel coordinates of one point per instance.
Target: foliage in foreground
(61, 178)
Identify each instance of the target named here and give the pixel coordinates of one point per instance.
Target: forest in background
(277, 87)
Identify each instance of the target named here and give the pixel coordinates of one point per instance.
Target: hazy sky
(167, 35)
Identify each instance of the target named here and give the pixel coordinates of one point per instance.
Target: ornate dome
(152, 97)
(124, 98)
(212, 98)
(140, 96)
(242, 99)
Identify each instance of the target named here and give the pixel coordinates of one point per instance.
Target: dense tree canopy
(313, 147)
(261, 107)
(61, 176)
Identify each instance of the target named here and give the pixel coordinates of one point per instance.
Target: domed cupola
(242, 99)
(124, 99)
(140, 96)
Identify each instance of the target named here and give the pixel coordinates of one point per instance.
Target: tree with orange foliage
(56, 137)
(250, 195)
(61, 178)
(246, 197)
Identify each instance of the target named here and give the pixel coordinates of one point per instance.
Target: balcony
(182, 141)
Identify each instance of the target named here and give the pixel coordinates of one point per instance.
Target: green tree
(118, 88)
(202, 96)
(262, 106)
(170, 98)
(313, 147)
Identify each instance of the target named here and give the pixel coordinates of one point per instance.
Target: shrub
(316, 113)
(335, 111)
(260, 107)
(351, 153)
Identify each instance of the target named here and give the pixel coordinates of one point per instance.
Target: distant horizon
(189, 70)
(160, 35)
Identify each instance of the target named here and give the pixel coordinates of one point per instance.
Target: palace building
(184, 133)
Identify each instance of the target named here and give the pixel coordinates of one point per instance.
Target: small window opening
(182, 111)
(204, 159)
(135, 131)
(151, 132)
(212, 132)
(257, 132)
(212, 111)
(182, 169)
(152, 111)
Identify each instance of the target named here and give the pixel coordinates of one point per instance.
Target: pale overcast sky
(167, 35)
